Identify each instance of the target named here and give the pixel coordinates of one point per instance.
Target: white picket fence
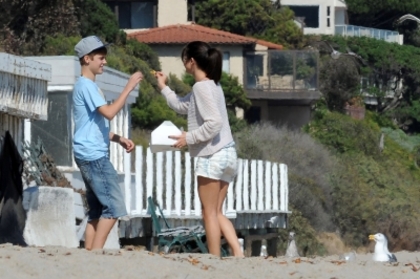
(260, 186)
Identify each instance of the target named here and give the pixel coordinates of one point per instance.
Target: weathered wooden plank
(127, 182)
(19, 66)
(260, 183)
(139, 180)
(159, 178)
(178, 194)
(187, 183)
(246, 199)
(169, 181)
(267, 186)
(238, 185)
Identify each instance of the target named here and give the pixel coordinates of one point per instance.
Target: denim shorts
(221, 165)
(103, 193)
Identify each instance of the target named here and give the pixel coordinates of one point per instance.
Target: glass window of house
(55, 133)
(142, 15)
(309, 13)
(191, 10)
(134, 14)
(226, 62)
(124, 11)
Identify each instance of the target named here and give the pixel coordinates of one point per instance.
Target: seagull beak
(371, 237)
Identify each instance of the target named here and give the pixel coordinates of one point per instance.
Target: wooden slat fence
(260, 186)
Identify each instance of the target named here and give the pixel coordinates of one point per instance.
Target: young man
(92, 136)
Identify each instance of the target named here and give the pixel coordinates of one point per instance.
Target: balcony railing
(360, 31)
(277, 71)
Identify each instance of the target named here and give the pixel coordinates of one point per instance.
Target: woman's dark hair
(208, 59)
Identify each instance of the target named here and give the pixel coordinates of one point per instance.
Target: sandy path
(57, 262)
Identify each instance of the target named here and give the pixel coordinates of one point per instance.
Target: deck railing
(360, 31)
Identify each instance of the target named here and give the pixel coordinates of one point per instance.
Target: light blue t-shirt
(91, 131)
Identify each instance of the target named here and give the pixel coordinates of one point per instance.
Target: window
(328, 16)
(226, 62)
(309, 13)
(191, 10)
(135, 14)
(55, 133)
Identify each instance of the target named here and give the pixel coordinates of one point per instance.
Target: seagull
(382, 253)
(263, 251)
(291, 248)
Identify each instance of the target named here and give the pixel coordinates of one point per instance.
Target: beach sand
(57, 262)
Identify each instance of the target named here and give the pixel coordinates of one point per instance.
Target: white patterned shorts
(221, 165)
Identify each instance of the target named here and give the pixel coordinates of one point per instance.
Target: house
(267, 74)
(329, 17)
(279, 91)
(168, 42)
(23, 94)
(57, 132)
(133, 15)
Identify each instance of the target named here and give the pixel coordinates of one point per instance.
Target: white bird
(291, 248)
(263, 251)
(381, 253)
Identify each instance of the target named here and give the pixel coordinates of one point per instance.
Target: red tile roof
(185, 33)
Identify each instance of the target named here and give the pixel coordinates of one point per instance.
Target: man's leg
(90, 233)
(104, 226)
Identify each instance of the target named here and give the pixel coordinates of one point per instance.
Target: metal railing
(360, 31)
(281, 70)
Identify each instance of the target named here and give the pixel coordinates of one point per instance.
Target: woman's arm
(178, 104)
(207, 107)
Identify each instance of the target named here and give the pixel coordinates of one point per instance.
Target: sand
(58, 262)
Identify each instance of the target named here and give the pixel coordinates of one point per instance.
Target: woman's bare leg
(208, 190)
(226, 226)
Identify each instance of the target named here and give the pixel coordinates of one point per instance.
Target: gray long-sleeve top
(208, 124)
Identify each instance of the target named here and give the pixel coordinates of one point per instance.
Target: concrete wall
(172, 12)
(170, 59)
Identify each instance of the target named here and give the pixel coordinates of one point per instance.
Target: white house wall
(335, 5)
(23, 87)
(170, 59)
(341, 16)
(172, 12)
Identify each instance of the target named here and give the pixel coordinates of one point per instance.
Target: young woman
(209, 138)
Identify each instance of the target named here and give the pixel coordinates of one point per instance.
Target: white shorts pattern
(221, 165)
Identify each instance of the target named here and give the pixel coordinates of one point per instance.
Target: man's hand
(134, 80)
(181, 140)
(127, 144)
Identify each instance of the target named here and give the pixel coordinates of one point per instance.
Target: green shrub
(144, 52)
(305, 238)
(309, 165)
(96, 18)
(343, 134)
